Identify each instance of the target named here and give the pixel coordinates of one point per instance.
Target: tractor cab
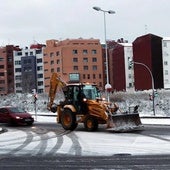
(77, 94)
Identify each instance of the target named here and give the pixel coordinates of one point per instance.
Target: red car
(15, 116)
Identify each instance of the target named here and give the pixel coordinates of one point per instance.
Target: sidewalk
(155, 120)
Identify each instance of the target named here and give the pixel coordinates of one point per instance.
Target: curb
(154, 117)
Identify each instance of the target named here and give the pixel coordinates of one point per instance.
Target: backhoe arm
(55, 82)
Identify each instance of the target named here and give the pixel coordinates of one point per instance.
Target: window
(52, 62)
(85, 60)
(94, 59)
(1, 59)
(27, 69)
(18, 70)
(75, 59)
(94, 67)
(166, 72)
(40, 83)
(94, 76)
(58, 61)
(75, 67)
(18, 77)
(58, 69)
(2, 74)
(85, 52)
(94, 51)
(86, 68)
(10, 59)
(1, 66)
(130, 76)
(2, 81)
(100, 76)
(40, 75)
(130, 84)
(57, 53)
(84, 76)
(166, 81)
(39, 60)
(51, 54)
(31, 53)
(27, 61)
(19, 53)
(164, 44)
(166, 63)
(39, 68)
(18, 84)
(88, 76)
(75, 52)
(38, 51)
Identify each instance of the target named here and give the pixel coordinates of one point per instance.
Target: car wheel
(29, 124)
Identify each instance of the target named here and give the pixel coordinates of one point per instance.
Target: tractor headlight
(103, 99)
(84, 99)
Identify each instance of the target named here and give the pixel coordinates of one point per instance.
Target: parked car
(15, 116)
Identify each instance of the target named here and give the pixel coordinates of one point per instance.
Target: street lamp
(153, 95)
(107, 86)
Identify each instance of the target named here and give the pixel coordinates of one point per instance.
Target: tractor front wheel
(91, 123)
(68, 120)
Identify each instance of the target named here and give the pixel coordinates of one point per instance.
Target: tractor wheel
(91, 123)
(68, 120)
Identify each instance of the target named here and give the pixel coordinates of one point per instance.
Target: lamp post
(107, 86)
(153, 94)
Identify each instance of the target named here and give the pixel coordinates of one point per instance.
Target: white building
(129, 70)
(28, 69)
(166, 61)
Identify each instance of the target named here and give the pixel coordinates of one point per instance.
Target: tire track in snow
(27, 141)
(35, 135)
(76, 147)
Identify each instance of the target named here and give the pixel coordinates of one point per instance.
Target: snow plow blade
(125, 122)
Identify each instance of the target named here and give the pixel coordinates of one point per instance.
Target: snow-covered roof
(166, 38)
(126, 44)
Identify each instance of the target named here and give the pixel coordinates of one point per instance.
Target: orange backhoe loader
(83, 104)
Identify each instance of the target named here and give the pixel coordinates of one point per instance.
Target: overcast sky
(24, 22)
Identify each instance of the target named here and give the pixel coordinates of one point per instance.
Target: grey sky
(22, 21)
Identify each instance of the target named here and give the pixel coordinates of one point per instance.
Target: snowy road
(39, 140)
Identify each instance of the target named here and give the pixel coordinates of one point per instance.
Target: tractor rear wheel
(68, 120)
(91, 123)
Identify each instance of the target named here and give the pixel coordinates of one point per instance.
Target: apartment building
(6, 69)
(147, 50)
(28, 69)
(120, 73)
(75, 60)
(166, 61)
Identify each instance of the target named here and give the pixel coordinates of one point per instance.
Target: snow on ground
(101, 143)
(87, 143)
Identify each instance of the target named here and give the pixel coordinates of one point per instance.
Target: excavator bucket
(124, 122)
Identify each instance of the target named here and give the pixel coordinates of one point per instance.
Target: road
(47, 145)
(117, 162)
